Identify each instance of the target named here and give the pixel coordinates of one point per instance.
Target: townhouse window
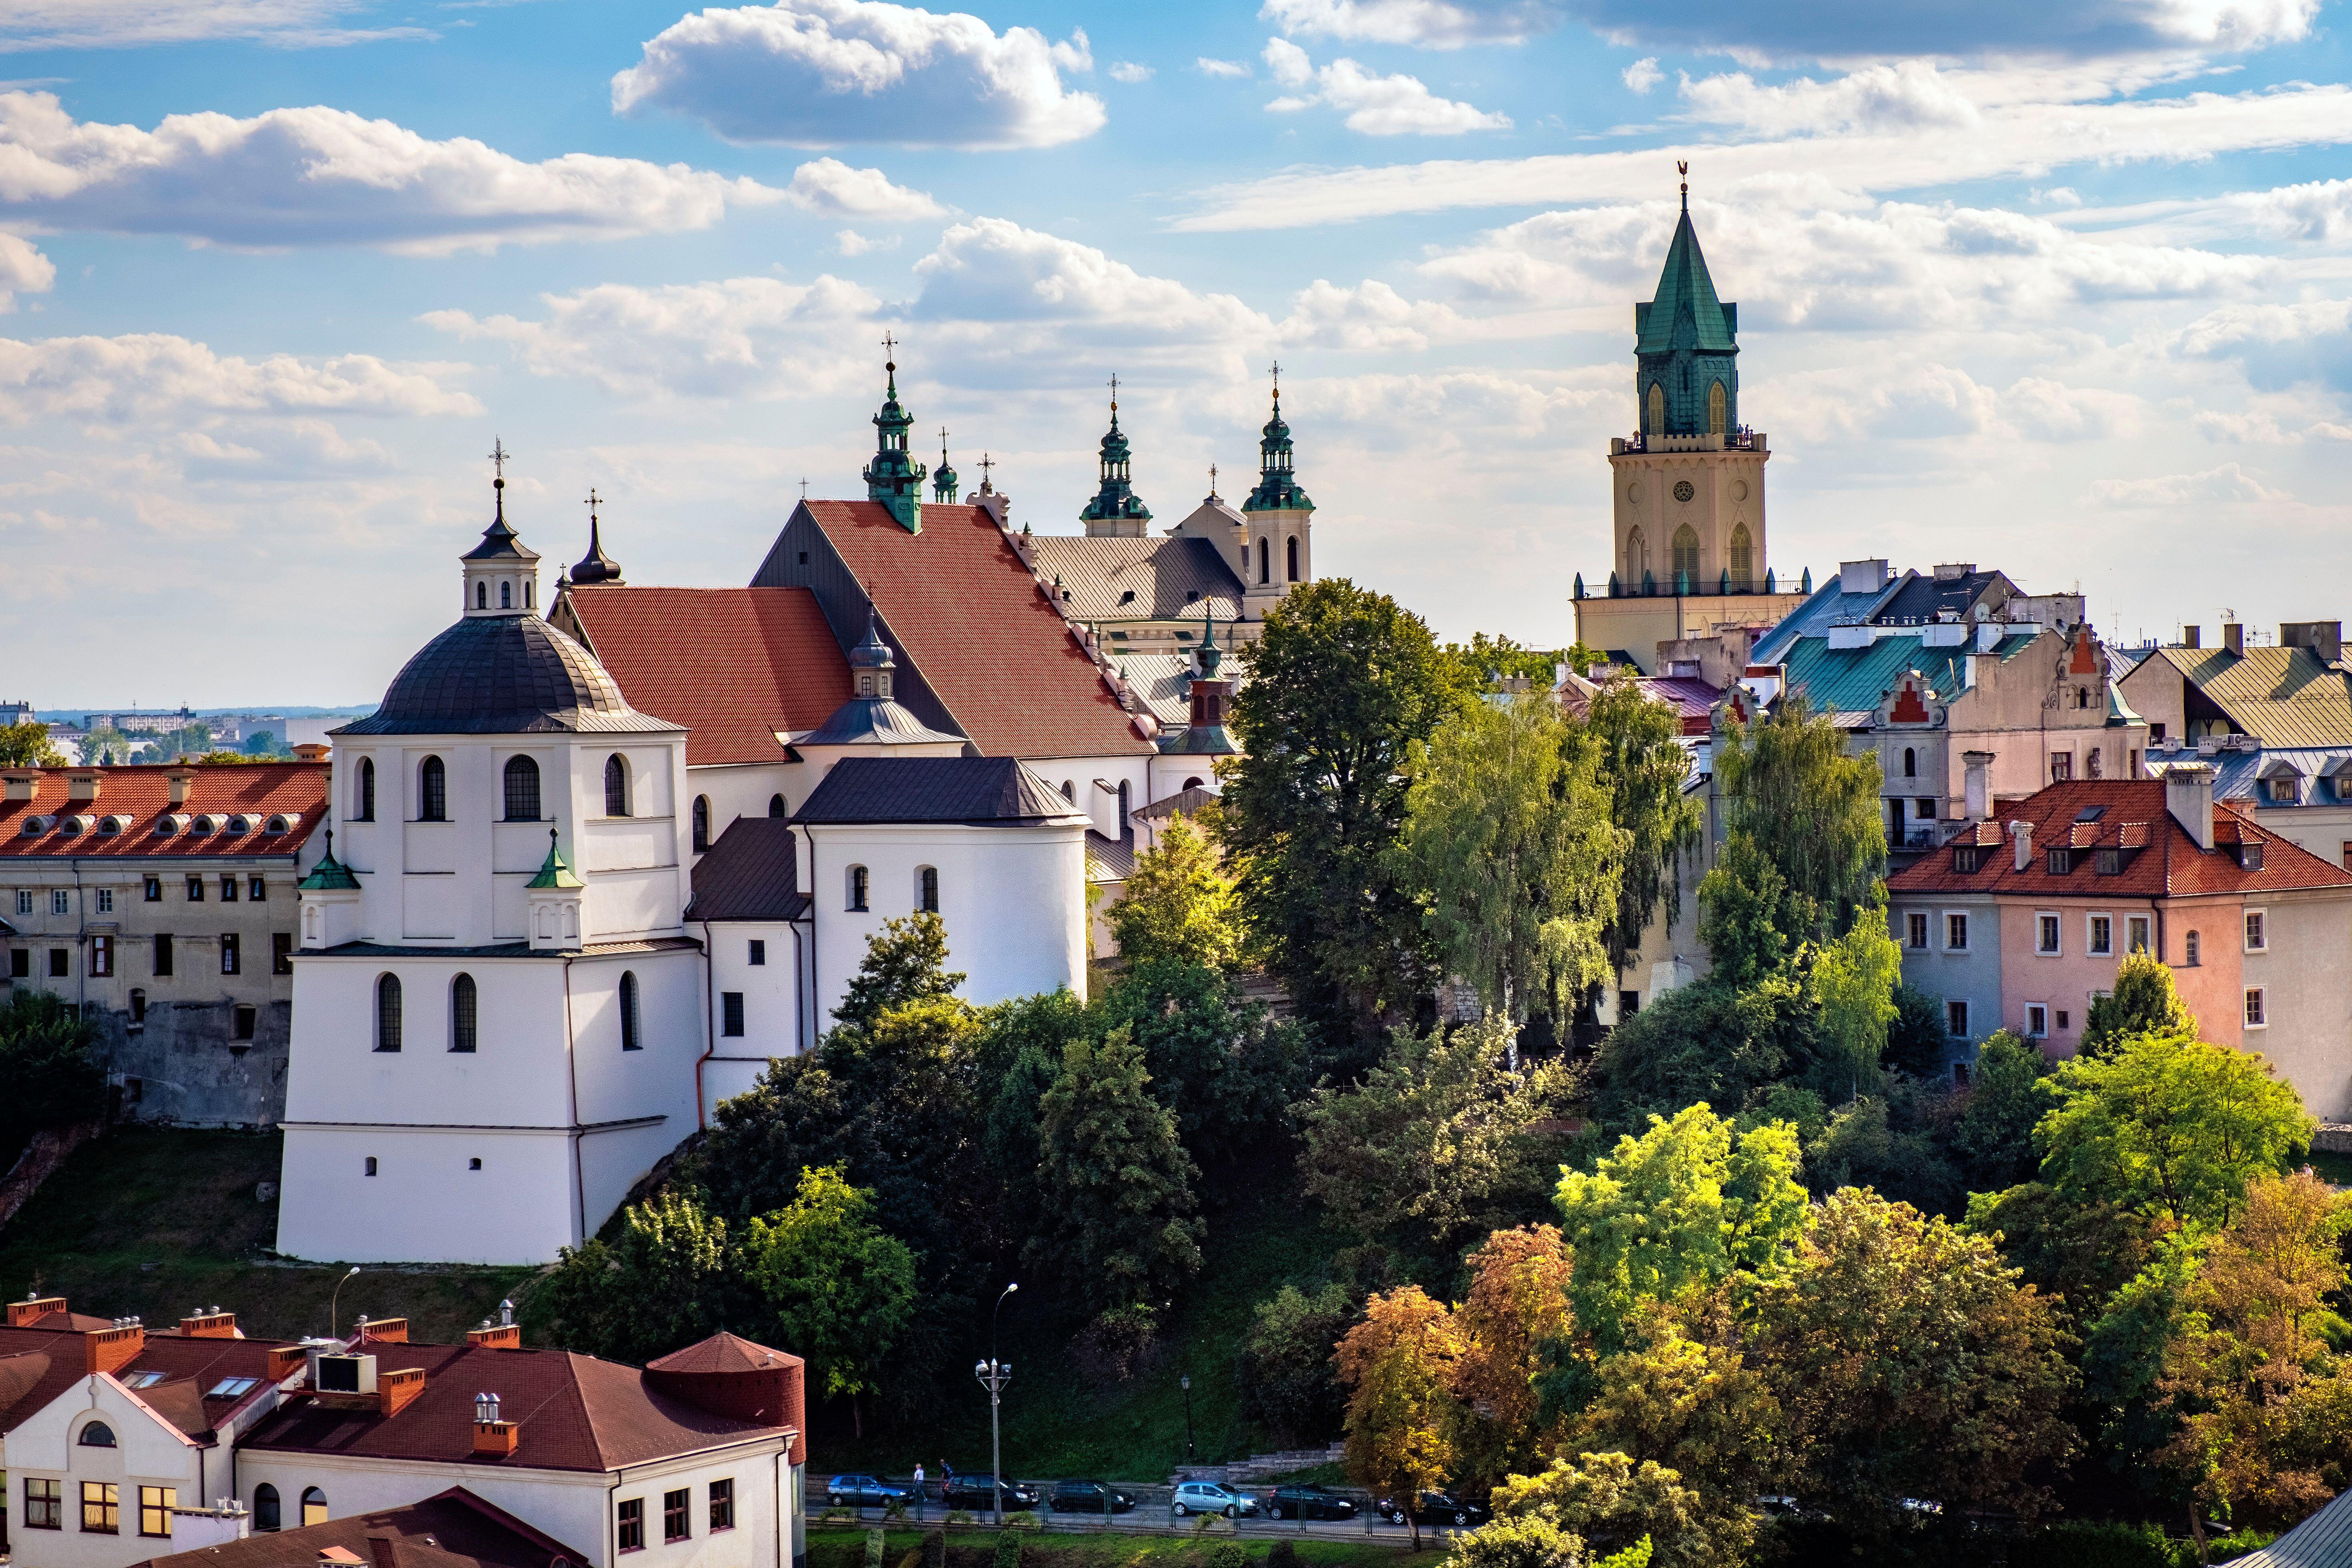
(387, 1013)
(45, 1505)
(2062, 1024)
(2348, 854)
(629, 1037)
(2189, 950)
(722, 1505)
(367, 1167)
(756, 954)
(629, 1524)
(2046, 941)
(155, 1505)
(265, 1508)
(314, 1506)
(432, 791)
(1923, 808)
(106, 901)
(2062, 766)
(730, 1012)
(60, 902)
(244, 1021)
(2101, 935)
(2037, 1020)
(1910, 764)
(163, 956)
(2135, 929)
(281, 952)
(1956, 1019)
(25, 895)
(1968, 859)
(228, 886)
(464, 1033)
(2257, 932)
(101, 1508)
(2060, 862)
(195, 889)
(60, 962)
(2255, 1016)
(153, 886)
(255, 888)
(102, 957)
(232, 955)
(1914, 930)
(1628, 1004)
(1956, 933)
(2109, 862)
(138, 1005)
(96, 1435)
(20, 963)
(2280, 791)
(674, 1523)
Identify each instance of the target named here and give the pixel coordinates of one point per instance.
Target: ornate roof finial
(1212, 481)
(987, 486)
(499, 455)
(1114, 399)
(1682, 167)
(890, 360)
(1278, 383)
(803, 487)
(596, 566)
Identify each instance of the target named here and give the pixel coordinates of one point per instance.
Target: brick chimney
(23, 782)
(2023, 832)
(310, 751)
(285, 1360)
(2192, 637)
(2324, 638)
(105, 1350)
(32, 1309)
(496, 1336)
(384, 1332)
(209, 1324)
(1976, 787)
(2189, 796)
(395, 1390)
(2233, 637)
(82, 784)
(180, 778)
(493, 1438)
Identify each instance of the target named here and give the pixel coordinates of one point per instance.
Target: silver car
(1210, 1497)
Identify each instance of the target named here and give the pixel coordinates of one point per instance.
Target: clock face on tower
(1684, 490)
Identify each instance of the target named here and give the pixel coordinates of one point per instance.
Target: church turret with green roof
(944, 483)
(1687, 346)
(894, 478)
(1116, 511)
(1277, 552)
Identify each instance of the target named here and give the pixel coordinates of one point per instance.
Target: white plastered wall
(147, 1451)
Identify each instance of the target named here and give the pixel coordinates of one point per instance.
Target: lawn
(154, 1222)
(2336, 1169)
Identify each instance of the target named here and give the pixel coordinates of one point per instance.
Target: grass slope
(154, 1221)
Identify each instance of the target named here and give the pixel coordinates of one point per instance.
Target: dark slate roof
(1183, 803)
(452, 1529)
(1139, 579)
(1917, 599)
(502, 674)
(751, 874)
(977, 791)
(1111, 860)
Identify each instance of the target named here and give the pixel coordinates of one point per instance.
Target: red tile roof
(39, 1363)
(2160, 859)
(142, 792)
(722, 1351)
(732, 665)
(454, 1529)
(980, 628)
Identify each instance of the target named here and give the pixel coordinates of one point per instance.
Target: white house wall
(772, 1002)
(147, 1452)
(1079, 774)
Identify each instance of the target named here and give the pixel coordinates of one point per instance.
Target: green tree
(1483, 660)
(45, 1059)
(1645, 768)
(28, 745)
(1708, 1042)
(1217, 1058)
(1747, 916)
(1397, 1366)
(661, 1284)
(1917, 1039)
(1342, 684)
(2078, 1252)
(1611, 1497)
(1179, 903)
(1852, 980)
(1507, 829)
(1994, 1134)
(1117, 1188)
(839, 1288)
(1879, 1143)
(2169, 1123)
(105, 746)
(1438, 1143)
(2144, 1002)
(1283, 1366)
(905, 962)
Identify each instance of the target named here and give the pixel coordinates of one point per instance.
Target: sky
(2064, 288)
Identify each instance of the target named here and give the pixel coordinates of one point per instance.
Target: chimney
(394, 1389)
(494, 1336)
(25, 1313)
(23, 782)
(1861, 576)
(2192, 637)
(2189, 796)
(105, 1350)
(2324, 638)
(492, 1438)
(2023, 832)
(384, 1332)
(1976, 789)
(180, 779)
(209, 1324)
(310, 751)
(2233, 637)
(81, 785)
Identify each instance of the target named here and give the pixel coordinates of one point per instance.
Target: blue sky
(2062, 288)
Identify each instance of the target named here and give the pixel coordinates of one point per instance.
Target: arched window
(927, 888)
(363, 809)
(1687, 554)
(1266, 561)
(482, 595)
(387, 1013)
(369, 1166)
(1743, 559)
(96, 1435)
(1910, 764)
(264, 1507)
(776, 806)
(1715, 402)
(1294, 558)
(701, 822)
(2188, 949)
(1069, 792)
(506, 595)
(1123, 798)
(1656, 424)
(616, 786)
(432, 791)
(1637, 555)
(857, 887)
(528, 599)
(1193, 782)
(522, 790)
(630, 1039)
(314, 1506)
(462, 1031)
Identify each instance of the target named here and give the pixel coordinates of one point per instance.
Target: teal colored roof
(1853, 679)
(329, 874)
(1683, 287)
(552, 871)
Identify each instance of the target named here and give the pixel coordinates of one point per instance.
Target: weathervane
(1114, 395)
(1682, 167)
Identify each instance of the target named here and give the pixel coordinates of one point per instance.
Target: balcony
(1740, 441)
(1680, 586)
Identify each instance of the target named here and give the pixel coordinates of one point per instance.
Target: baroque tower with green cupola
(894, 478)
(1116, 511)
(1279, 547)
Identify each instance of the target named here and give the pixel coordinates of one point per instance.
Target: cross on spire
(590, 503)
(1212, 481)
(1114, 395)
(1682, 167)
(499, 455)
(986, 463)
(943, 443)
(890, 346)
(804, 490)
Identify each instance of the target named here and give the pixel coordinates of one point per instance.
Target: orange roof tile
(142, 792)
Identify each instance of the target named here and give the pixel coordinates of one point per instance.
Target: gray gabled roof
(980, 791)
(751, 874)
(2323, 1541)
(1168, 579)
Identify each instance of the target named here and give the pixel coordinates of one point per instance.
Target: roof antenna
(1682, 167)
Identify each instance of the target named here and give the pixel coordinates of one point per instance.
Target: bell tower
(1278, 551)
(894, 478)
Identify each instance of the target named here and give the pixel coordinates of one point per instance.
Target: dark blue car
(861, 1491)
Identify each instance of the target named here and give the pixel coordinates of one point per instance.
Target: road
(1150, 1516)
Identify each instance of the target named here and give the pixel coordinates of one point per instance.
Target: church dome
(501, 675)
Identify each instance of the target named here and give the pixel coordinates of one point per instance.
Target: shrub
(935, 1549)
(1008, 1549)
(958, 1516)
(1282, 1554)
(1229, 1554)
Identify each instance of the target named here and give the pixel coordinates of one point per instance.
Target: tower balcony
(1740, 441)
(1681, 586)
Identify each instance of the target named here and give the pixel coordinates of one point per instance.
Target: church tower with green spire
(894, 478)
(1278, 551)
(1116, 511)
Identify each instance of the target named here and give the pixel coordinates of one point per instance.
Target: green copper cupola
(1686, 346)
(944, 483)
(894, 478)
(1277, 486)
(1115, 508)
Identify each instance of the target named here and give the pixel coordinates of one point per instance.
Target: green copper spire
(1116, 501)
(1277, 489)
(1686, 342)
(329, 874)
(894, 478)
(552, 871)
(1210, 657)
(944, 482)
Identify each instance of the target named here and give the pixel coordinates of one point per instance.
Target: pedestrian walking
(918, 1488)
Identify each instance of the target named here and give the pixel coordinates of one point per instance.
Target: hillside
(155, 1222)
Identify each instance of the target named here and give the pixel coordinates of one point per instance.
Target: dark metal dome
(502, 674)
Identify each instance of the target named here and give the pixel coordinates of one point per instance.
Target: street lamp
(1185, 1382)
(993, 1374)
(333, 1300)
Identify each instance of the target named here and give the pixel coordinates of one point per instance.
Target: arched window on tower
(616, 786)
(630, 1041)
(364, 809)
(701, 822)
(432, 791)
(387, 1013)
(463, 1032)
(506, 595)
(522, 790)
(1265, 560)
(1910, 764)
(1743, 559)
(1656, 424)
(776, 805)
(1685, 558)
(1637, 555)
(482, 595)
(1294, 558)
(1717, 402)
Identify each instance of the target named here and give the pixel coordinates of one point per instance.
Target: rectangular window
(731, 1008)
(101, 1508)
(2348, 854)
(232, 962)
(1956, 933)
(155, 889)
(2037, 1020)
(2047, 940)
(155, 1505)
(102, 957)
(2102, 933)
(60, 902)
(246, 1018)
(20, 963)
(1968, 859)
(630, 1521)
(1926, 805)
(228, 886)
(61, 965)
(195, 889)
(106, 901)
(2136, 935)
(163, 955)
(2059, 862)
(25, 895)
(255, 888)
(2256, 1018)
(2062, 766)
(1956, 1019)
(722, 1505)
(281, 952)
(2109, 862)
(675, 1525)
(757, 955)
(1914, 930)
(1628, 1004)
(2257, 932)
(2062, 1025)
(45, 1505)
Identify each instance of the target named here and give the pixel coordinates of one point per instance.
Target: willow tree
(1644, 767)
(1508, 833)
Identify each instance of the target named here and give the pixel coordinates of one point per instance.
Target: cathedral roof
(749, 875)
(1685, 292)
(970, 791)
(501, 675)
(1111, 579)
(872, 722)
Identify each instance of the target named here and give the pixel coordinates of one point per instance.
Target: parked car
(861, 1491)
(1435, 1508)
(1307, 1500)
(1088, 1497)
(974, 1492)
(1210, 1497)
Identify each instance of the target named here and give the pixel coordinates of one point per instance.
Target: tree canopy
(1179, 903)
(2144, 1002)
(1643, 767)
(839, 1289)
(28, 745)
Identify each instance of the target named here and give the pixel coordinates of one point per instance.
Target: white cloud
(1129, 72)
(1642, 75)
(1374, 105)
(1908, 96)
(832, 187)
(1851, 29)
(2277, 345)
(23, 271)
(157, 378)
(852, 243)
(1207, 67)
(819, 73)
(121, 24)
(1428, 23)
(1372, 317)
(2215, 487)
(323, 176)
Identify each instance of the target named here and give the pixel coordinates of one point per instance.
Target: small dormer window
(865, 685)
(2280, 791)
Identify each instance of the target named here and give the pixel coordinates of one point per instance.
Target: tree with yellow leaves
(1397, 1367)
(1518, 1300)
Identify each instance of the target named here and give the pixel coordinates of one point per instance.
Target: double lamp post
(993, 1374)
